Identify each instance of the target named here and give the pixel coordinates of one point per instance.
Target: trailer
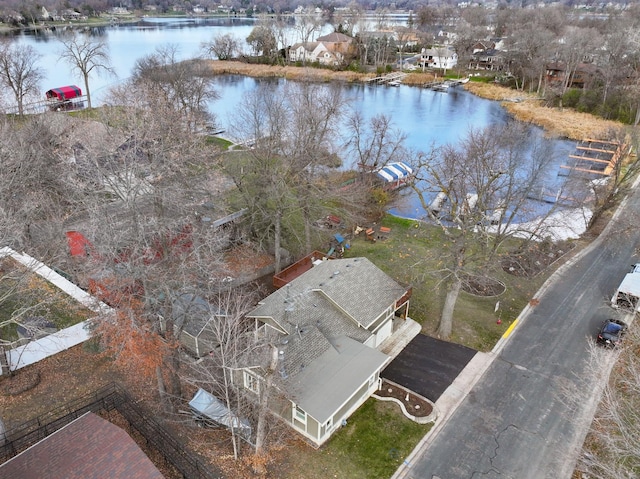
(627, 296)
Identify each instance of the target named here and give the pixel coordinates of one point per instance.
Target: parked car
(611, 332)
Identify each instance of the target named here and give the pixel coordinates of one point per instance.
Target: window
(251, 382)
(299, 415)
(326, 427)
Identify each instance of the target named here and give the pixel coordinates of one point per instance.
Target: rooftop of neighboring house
(309, 46)
(335, 37)
(87, 448)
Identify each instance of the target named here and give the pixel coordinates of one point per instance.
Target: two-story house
(331, 49)
(326, 325)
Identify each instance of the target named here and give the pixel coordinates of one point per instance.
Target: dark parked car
(611, 332)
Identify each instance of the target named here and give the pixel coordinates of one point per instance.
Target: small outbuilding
(193, 320)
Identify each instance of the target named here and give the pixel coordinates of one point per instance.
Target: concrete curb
(480, 363)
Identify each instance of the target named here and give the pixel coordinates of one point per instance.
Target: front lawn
(413, 254)
(373, 444)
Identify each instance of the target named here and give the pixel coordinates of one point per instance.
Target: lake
(427, 117)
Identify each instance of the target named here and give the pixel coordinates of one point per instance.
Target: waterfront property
(328, 325)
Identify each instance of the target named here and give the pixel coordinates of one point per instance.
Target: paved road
(518, 421)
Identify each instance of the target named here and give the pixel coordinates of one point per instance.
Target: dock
(444, 85)
(594, 157)
(393, 79)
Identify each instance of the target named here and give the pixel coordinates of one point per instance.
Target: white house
(443, 57)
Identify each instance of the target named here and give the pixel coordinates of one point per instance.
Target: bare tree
(614, 57)
(240, 357)
(19, 71)
(375, 143)
(349, 21)
(263, 41)
(224, 46)
(572, 51)
(466, 37)
(186, 86)
(611, 449)
(283, 176)
(306, 24)
(148, 247)
(476, 193)
(34, 183)
(527, 54)
(86, 55)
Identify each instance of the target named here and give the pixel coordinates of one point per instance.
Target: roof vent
(283, 373)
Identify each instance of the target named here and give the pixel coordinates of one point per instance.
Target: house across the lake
(327, 324)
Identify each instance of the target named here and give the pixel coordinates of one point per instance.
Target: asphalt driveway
(427, 366)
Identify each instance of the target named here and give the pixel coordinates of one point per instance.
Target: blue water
(428, 118)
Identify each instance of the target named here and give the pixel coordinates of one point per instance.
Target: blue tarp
(394, 171)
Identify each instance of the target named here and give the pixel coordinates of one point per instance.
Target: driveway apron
(428, 366)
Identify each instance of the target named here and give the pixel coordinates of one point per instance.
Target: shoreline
(523, 106)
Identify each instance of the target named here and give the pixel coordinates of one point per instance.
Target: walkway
(404, 331)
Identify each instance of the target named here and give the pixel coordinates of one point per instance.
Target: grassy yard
(27, 294)
(413, 254)
(373, 444)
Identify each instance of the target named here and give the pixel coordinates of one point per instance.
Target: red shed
(64, 93)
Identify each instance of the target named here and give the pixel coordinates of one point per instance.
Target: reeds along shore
(529, 108)
(557, 122)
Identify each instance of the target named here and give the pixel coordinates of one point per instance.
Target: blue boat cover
(394, 171)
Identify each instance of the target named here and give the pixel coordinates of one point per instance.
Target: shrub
(571, 98)
(380, 196)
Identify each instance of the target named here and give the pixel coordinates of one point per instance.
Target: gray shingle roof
(325, 313)
(335, 37)
(354, 286)
(330, 380)
(192, 313)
